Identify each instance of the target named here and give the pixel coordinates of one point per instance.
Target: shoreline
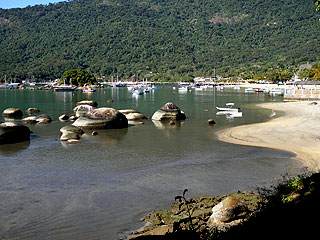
(298, 131)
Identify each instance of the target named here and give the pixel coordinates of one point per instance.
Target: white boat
(183, 89)
(229, 108)
(236, 88)
(88, 90)
(249, 90)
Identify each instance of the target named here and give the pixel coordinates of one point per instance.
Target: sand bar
(298, 131)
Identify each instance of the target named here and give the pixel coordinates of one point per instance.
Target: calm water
(100, 188)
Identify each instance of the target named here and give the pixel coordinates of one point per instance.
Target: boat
(137, 92)
(249, 90)
(276, 92)
(228, 108)
(88, 90)
(65, 88)
(258, 90)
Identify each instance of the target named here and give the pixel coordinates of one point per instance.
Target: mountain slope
(124, 37)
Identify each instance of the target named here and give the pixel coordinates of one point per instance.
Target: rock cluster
(201, 215)
(40, 119)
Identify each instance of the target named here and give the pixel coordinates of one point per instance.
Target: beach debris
(313, 103)
(11, 132)
(169, 112)
(273, 113)
(12, 113)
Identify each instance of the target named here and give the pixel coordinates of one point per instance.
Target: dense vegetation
(78, 77)
(162, 40)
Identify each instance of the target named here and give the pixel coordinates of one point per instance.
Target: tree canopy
(78, 77)
(161, 40)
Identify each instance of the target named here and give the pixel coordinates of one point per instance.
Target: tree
(317, 3)
(78, 77)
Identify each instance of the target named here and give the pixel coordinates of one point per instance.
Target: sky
(6, 4)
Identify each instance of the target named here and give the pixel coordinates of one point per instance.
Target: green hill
(168, 38)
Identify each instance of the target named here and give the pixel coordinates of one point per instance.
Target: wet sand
(298, 131)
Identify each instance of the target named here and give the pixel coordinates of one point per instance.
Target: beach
(298, 131)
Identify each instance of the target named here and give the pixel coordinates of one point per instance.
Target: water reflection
(13, 149)
(106, 137)
(169, 128)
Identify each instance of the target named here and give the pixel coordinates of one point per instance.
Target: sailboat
(65, 88)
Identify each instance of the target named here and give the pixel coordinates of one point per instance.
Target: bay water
(101, 187)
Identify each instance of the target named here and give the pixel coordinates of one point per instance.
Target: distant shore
(298, 131)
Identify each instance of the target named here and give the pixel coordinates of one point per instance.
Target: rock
(88, 102)
(41, 119)
(12, 113)
(11, 132)
(211, 121)
(64, 117)
(109, 101)
(169, 112)
(69, 132)
(94, 133)
(30, 120)
(133, 115)
(230, 209)
(32, 110)
(81, 110)
(102, 118)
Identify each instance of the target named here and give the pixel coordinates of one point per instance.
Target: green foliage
(312, 74)
(317, 3)
(78, 77)
(171, 39)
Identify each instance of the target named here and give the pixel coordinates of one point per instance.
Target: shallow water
(99, 189)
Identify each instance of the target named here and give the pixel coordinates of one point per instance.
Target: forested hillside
(169, 38)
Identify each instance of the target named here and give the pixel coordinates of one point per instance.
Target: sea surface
(101, 187)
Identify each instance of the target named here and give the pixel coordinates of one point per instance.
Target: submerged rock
(169, 112)
(12, 113)
(32, 110)
(40, 119)
(69, 132)
(11, 132)
(133, 115)
(88, 102)
(102, 118)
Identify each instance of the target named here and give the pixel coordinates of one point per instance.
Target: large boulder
(69, 132)
(169, 112)
(12, 113)
(81, 110)
(11, 132)
(102, 118)
(228, 210)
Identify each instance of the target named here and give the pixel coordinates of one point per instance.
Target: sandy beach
(298, 131)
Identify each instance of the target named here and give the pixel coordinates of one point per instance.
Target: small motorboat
(228, 108)
(88, 90)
